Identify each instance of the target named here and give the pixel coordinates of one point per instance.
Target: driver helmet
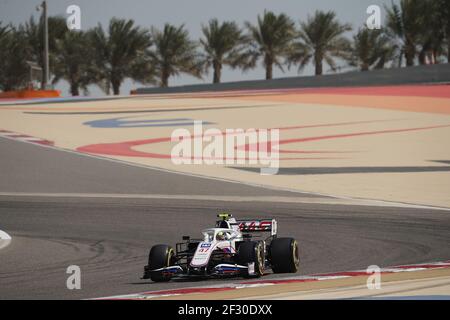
(220, 236)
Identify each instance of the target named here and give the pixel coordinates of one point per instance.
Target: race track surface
(108, 236)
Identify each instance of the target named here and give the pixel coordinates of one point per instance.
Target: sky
(191, 13)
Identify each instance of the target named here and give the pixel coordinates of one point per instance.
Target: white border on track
(376, 202)
(5, 239)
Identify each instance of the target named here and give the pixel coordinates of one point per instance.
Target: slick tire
(252, 252)
(160, 256)
(284, 255)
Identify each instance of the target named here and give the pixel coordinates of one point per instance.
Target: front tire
(160, 256)
(284, 255)
(252, 252)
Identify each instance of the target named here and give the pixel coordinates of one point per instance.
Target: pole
(46, 60)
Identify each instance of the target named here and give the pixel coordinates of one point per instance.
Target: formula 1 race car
(226, 250)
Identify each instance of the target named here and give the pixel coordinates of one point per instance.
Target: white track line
(375, 202)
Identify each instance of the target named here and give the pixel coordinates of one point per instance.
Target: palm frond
(322, 38)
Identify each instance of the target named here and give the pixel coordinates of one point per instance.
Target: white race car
(226, 250)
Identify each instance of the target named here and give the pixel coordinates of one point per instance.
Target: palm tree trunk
(409, 60)
(424, 53)
(116, 87)
(164, 79)
(217, 72)
(269, 72)
(318, 62)
(410, 55)
(422, 57)
(74, 89)
(319, 67)
(381, 63)
(269, 67)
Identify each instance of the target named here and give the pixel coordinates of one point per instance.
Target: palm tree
(34, 32)
(73, 61)
(432, 37)
(406, 24)
(174, 53)
(370, 48)
(4, 30)
(120, 53)
(223, 44)
(271, 39)
(443, 12)
(321, 39)
(14, 72)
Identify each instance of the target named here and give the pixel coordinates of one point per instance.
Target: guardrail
(439, 73)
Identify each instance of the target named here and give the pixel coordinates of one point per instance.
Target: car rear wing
(262, 225)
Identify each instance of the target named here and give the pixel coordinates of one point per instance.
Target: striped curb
(25, 138)
(262, 283)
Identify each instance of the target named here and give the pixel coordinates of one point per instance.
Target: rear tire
(252, 252)
(160, 256)
(284, 255)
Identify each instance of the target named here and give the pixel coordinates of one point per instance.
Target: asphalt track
(109, 236)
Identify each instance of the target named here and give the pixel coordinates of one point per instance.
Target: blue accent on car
(221, 269)
(172, 270)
